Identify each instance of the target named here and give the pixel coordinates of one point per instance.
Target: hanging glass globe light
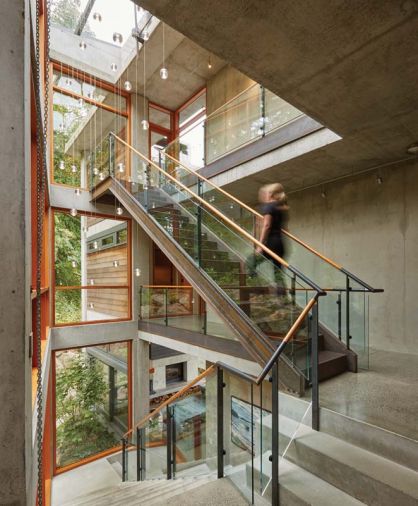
(113, 67)
(73, 212)
(121, 168)
(81, 102)
(77, 191)
(101, 176)
(127, 85)
(145, 124)
(91, 305)
(62, 165)
(145, 35)
(95, 171)
(68, 81)
(82, 45)
(97, 17)
(164, 73)
(85, 229)
(73, 168)
(74, 264)
(115, 263)
(119, 211)
(137, 272)
(117, 38)
(95, 244)
(92, 282)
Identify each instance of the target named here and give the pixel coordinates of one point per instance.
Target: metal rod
(315, 372)
(123, 459)
(347, 311)
(169, 443)
(166, 307)
(220, 421)
(275, 435)
(174, 441)
(138, 455)
(339, 316)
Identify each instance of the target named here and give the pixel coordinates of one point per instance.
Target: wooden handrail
(171, 399)
(252, 211)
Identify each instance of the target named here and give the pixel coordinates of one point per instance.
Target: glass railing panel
(359, 323)
(234, 125)
(155, 444)
(194, 454)
(277, 112)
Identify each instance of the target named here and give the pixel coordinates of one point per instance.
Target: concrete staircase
(348, 463)
(182, 491)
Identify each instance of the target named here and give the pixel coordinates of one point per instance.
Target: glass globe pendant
(117, 37)
(77, 191)
(73, 212)
(73, 168)
(97, 17)
(137, 272)
(164, 73)
(82, 45)
(119, 211)
(145, 124)
(127, 85)
(121, 168)
(113, 67)
(62, 165)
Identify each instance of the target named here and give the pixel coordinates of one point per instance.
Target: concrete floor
(386, 395)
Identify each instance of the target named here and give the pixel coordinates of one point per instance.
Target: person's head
(270, 192)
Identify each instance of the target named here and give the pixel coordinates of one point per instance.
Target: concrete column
(140, 378)
(15, 313)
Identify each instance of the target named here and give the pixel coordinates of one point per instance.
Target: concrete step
(331, 363)
(298, 487)
(368, 477)
(146, 492)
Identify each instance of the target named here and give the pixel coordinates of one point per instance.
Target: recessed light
(413, 149)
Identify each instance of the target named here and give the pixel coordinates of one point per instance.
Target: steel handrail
(227, 220)
(171, 399)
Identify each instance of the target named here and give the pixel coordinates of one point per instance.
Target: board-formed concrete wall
(15, 231)
(371, 229)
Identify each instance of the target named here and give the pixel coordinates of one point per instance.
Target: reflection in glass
(91, 392)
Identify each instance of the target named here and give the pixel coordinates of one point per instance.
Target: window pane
(91, 395)
(192, 110)
(160, 118)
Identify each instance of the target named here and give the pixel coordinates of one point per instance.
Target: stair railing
(137, 443)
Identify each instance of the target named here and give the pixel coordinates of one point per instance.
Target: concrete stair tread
(340, 462)
(134, 493)
(328, 355)
(305, 486)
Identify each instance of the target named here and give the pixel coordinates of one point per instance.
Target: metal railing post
(252, 443)
(138, 455)
(347, 316)
(111, 155)
(339, 315)
(124, 459)
(315, 375)
(173, 442)
(220, 421)
(275, 434)
(140, 303)
(169, 443)
(166, 307)
(263, 111)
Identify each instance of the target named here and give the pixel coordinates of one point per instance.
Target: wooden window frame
(56, 288)
(59, 470)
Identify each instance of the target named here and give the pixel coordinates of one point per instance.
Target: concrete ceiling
(187, 65)
(352, 66)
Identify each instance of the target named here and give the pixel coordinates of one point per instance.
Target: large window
(92, 268)
(85, 111)
(92, 401)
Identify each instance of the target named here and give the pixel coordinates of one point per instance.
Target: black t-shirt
(278, 215)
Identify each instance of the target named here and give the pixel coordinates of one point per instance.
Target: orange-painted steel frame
(58, 470)
(91, 287)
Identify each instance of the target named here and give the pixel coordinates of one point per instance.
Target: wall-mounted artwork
(241, 422)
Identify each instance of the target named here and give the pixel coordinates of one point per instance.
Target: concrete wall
(15, 392)
(371, 229)
(226, 84)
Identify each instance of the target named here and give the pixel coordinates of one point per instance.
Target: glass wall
(84, 114)
(91, 400)
(92, 271)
